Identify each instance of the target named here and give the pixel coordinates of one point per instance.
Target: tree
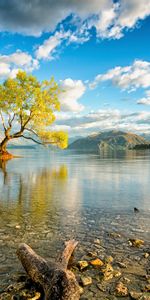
(27, 110)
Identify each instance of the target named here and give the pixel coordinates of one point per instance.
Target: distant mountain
(146, 136)
(109, 140)
(73, 139)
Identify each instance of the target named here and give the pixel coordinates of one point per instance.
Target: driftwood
(56, 280)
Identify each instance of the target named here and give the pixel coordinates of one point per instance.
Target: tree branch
(57, 281)
(31, 130)
(28, 120)
(11, 120)
(32, 139)
(3, 123)
(65, 256)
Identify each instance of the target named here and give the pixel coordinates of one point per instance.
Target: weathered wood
(57, 281)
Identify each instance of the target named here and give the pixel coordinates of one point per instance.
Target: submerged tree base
(5, 155)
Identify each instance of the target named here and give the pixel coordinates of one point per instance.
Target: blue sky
(99, 51)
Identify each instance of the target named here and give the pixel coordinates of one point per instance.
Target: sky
(98, 51)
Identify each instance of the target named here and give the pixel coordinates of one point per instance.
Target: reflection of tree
(3, 169)
(32, 192)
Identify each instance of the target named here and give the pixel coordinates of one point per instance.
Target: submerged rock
(107, 272)
(121, 290)
(97, 262)
(86, 280)
(135, 295)
(82, 264)
(136, 242)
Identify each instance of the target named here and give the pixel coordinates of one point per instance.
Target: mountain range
(109, 140)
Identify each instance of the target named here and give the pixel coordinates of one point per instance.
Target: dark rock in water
(136, 210)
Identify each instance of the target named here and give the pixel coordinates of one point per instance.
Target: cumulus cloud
(48, 48)
(10, 64)
(105, 119)
(73, 90)
(127, 78)
(110, 19)
(34, 17)
(145, 100)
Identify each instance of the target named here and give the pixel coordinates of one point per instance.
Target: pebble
(82, 264)
(135, 295)
(86, 280)
(146, 255)
(121, 289)
(97, 241)
(97, 262)
(136, 242)
(107, 272)
(109, 259)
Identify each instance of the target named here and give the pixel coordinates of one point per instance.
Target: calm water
(46, 198)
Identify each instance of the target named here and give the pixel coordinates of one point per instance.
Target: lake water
(49, 197)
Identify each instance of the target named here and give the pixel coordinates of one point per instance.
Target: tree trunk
(57, 281)
(4, 154)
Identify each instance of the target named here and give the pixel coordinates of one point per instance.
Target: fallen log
(56, 280)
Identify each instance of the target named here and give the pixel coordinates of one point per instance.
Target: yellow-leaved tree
(27, 109)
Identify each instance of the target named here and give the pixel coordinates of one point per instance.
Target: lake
(48, 197)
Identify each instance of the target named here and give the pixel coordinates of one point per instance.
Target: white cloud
(10, 64)
(48, 48)
(73, 90)
(145, 100)
(123, 15)
(110, 19)
(4, 70)
(105, 119)
(127, 78)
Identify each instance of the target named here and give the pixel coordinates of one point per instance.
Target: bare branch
(65, 256)
(31, 130)
(10, 120)
(32, 139)
(13, 118)
(3, 123)
(28, 120)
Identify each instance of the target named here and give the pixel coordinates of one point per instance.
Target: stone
(81, 289)
(114, 235)
(135, 295)
(126, 280)
(97, 241)
(101, 287)
(92, 254)
(36, 297)
(147, 288)
(107, 272)
(17, 226)
(146, 255)
(96, 262)
(109, 259)
(121, 290)
(121, 264)
(136, 242)
(82, 264)
(145, 296)
(117, 273)
(86, 280)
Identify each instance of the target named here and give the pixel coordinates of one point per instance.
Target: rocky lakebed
(111, 261)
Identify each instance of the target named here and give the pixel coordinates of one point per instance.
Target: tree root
(56, 280)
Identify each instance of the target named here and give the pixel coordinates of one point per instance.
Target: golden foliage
(33, 104)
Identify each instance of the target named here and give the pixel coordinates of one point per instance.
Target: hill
(109, 140)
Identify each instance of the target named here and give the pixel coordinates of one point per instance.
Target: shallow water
(49, 197)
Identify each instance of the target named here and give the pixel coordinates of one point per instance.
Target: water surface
(48, 197)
